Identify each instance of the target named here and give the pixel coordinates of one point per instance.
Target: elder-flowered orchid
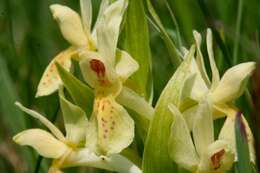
(222, 91)
(70, 150)
(200, 153)
(77, 31)
(106, 75)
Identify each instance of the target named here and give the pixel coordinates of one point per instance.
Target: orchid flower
(200, 153)
(70, 150)
(77, 31)
(105, 70)
(222, 91)
(103, 37)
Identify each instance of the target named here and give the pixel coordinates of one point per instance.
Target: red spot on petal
(98, 66)
(216, 158)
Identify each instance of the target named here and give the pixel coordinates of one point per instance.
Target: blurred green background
(29, 38)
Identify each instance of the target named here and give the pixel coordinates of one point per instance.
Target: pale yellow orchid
(222, 91)
(77, 31)
(72, 149)
(200, 153)
(106, 75)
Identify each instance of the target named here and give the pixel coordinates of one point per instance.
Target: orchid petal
(43, 120)
(203, 131)
(233, 82)
(213, 66)
(70, 25)
(75, 120)
(43, 142)
(115, 126)
(125, 65)
(227, 133)
(133, 101)
(50, 80)
(199, 58)
(96, 71)
(115, 162)
(86, 14)
(108, 30)
(103, 6)
(181, 148)
(219, 158)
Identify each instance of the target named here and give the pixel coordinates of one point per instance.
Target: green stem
(238, 28)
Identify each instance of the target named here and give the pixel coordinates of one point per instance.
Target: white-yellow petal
(108, 30)
(125, 65)
(97, 72)
(43, 120)
(181, 148)
(103, 6)
(199, 58)
(203, 131)
(233, 82)
(70, 25)
(213, 66)
(132, 100)
(115, 126)
(43, 142)
(219, 158)
(86, 14)
(50, 80)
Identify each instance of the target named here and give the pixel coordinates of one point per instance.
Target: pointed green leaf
(81, 94)
(156, 156)
(243, 157)
(173, 52)
(136, 43)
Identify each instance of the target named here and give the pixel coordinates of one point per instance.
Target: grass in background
(29, 38)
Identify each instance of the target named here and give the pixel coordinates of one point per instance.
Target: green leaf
(12, 118)
(173, 52)
(243, 165)
(80, 93)
(156, 156)
(136, 43)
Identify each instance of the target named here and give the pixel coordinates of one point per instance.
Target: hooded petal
(181, 148)
(43, 120)
(115, 126)
(233, 82)
(203, 131)
(50, 80)
(75, 120)
(43, 142)
(96, 71)
(108, 30)
(219, 158)
(70, 25)
(125, 65)
(213, 66)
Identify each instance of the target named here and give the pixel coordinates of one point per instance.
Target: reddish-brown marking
(112, 128)
(98, 67)
(106, 130)
(216, 158)
(113, 122)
